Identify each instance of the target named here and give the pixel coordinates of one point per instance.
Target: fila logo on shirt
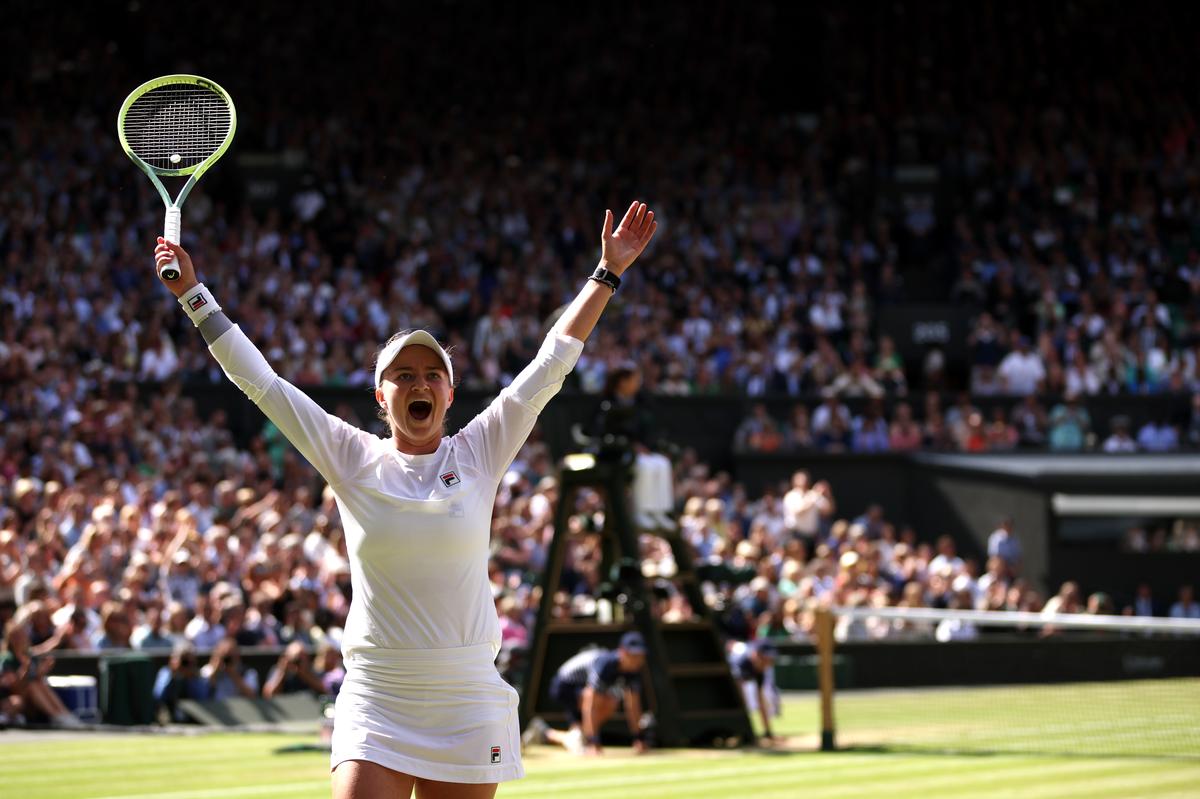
(197, 302)
(495, 754)
(450, 479)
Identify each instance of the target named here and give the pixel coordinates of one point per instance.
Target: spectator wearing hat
(590, 686)
(753, 666)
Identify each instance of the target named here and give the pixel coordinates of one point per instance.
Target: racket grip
(171, 226)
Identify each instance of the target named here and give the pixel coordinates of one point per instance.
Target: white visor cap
(418, 337)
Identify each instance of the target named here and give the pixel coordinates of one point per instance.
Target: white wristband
(199, 303)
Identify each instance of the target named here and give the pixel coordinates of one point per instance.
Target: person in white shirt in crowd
(417, 510)
(947, 558)
(623, 421)
(806, 507)
(1120, 441)
(1022, 369)
(997, 574)
(857, 381)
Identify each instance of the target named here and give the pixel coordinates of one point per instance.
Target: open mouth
(420, 409)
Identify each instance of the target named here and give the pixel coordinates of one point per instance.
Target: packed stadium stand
(971, 245)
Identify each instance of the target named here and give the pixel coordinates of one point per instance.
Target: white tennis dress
(422, 694)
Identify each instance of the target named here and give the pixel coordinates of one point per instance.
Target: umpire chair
(690, 689)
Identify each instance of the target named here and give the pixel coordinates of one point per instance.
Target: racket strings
(188, 121)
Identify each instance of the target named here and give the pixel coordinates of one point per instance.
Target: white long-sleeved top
(417, 526)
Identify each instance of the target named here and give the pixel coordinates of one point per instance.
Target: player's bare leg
(361, 779)
(432, 789)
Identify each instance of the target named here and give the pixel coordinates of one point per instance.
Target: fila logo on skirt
(450, 479)
(495, 754)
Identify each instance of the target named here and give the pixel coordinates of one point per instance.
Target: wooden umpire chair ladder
(689, 686)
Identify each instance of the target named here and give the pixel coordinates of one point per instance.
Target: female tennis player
(422, 705)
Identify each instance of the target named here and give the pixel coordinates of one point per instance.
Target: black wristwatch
(610, 279)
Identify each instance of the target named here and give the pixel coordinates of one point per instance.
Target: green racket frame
(172, 223)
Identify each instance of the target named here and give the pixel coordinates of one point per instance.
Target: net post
(824, 629)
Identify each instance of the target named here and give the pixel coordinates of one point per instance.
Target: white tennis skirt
(440, 714)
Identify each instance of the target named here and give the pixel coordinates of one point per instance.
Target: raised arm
(618, 250)
(337, 449)
(496, 434)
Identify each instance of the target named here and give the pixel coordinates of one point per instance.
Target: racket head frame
(194, 171)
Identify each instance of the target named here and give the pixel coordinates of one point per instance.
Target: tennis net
(921, 679)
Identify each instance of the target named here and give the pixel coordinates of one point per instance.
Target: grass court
(1045, 742)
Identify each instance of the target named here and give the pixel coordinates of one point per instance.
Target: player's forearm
(213, 326)
(581, 315)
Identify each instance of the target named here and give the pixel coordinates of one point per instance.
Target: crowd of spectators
(168, 536)
(1026, 424)
(1066, 217)
(1071, 230)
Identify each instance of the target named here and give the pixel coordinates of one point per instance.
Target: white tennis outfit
(422, 694)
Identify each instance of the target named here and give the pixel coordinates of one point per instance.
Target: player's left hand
(621, 247)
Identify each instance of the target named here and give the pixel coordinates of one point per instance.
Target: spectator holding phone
(293, 673)
(226, 675)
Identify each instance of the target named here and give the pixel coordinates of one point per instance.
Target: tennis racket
(176, 126)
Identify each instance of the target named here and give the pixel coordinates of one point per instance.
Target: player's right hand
(163, 253)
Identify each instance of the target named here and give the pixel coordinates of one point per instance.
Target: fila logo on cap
(450, 479)
(495, 754)
(197, 302)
